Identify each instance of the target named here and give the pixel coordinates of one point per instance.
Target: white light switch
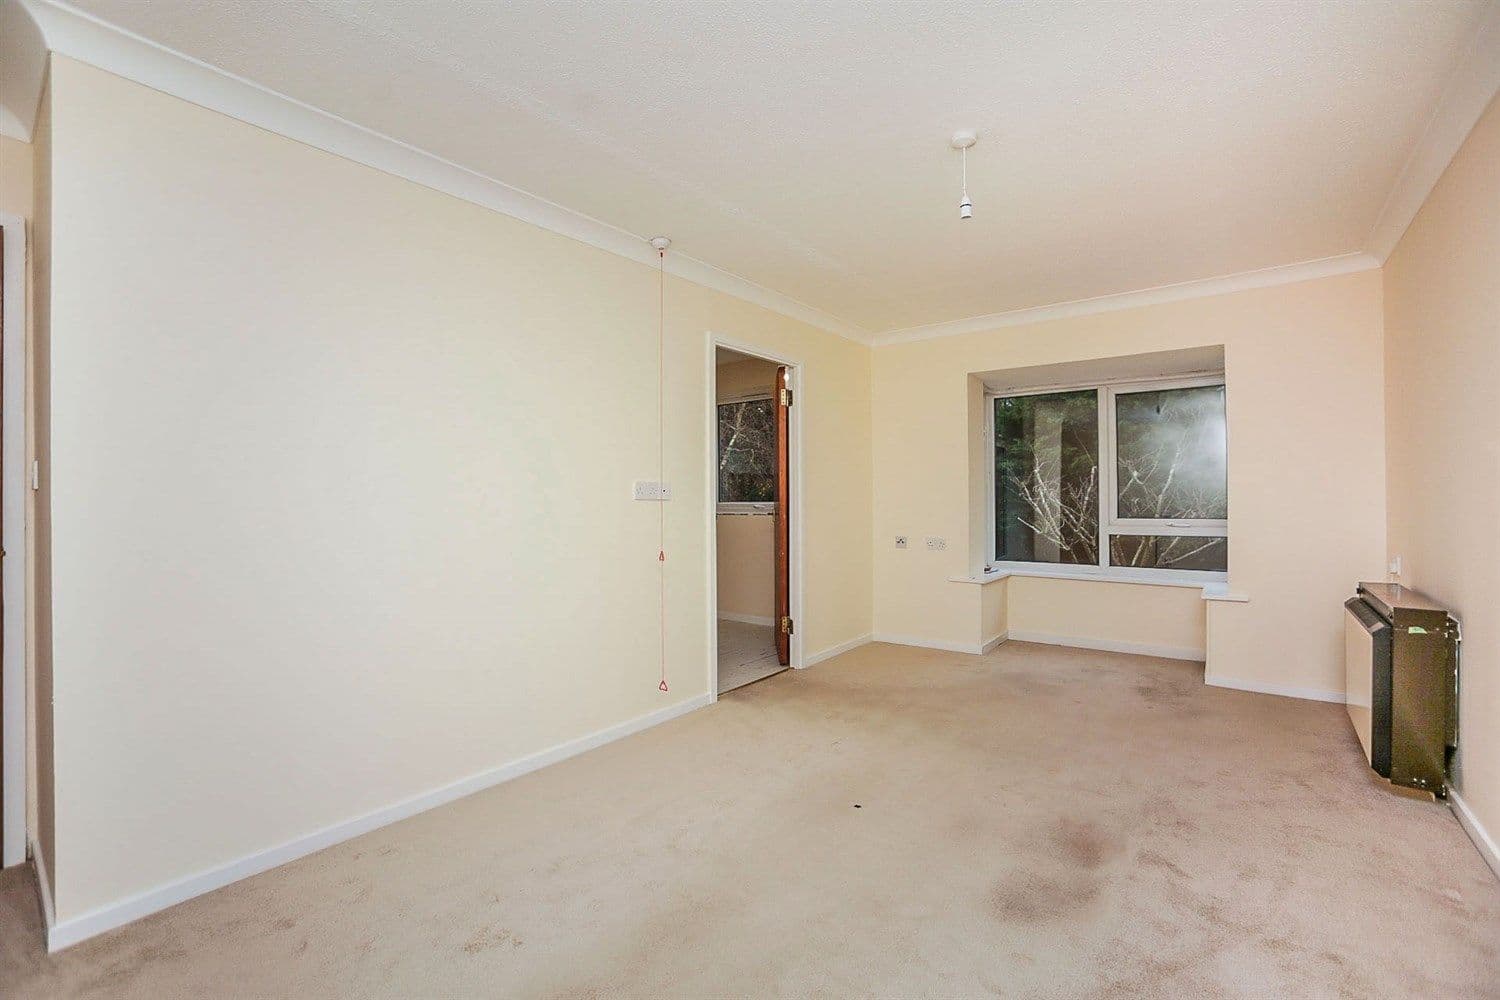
(649, 489)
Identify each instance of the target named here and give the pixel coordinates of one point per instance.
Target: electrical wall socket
(900, 541)
(649, 489)
(936, 544)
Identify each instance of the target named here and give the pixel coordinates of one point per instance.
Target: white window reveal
(1125, 480)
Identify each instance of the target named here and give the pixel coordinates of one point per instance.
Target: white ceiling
(1123, 145)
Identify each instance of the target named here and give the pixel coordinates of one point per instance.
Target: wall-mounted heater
(1401, 677)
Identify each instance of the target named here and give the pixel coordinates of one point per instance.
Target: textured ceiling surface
(1123, 145)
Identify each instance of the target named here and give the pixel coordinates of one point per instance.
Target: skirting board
(1109, 645)
(97, 921)
(1284, 690)
(951, 647)
(1488, 849)
(746, 619)
(832, 651)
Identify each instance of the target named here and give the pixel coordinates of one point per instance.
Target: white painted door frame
(13, 540)
(795, 562)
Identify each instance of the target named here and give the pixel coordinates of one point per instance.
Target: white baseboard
(1284, 690)
(1476, 831)
(832, 651)
(1116, 646)
(911, 640)
(747, 619)
(75, 929)
(1109, 645)
(43, 886)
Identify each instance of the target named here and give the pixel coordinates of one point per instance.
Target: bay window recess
(1115, 480)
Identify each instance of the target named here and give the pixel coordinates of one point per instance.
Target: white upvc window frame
(739, 506)
(1110, 523)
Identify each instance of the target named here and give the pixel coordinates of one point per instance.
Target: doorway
(752, 486)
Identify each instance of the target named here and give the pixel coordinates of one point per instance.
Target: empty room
(749, 499)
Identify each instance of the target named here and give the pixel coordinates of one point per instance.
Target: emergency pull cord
(661, 243)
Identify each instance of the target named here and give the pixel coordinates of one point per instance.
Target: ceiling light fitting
(961, 141)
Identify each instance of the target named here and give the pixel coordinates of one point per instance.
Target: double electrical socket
(648, 489)
(934, 543)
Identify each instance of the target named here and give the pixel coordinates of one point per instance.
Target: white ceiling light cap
(660, 243)
(964, 138)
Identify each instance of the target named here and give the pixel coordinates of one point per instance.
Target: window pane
(1172, 461)
(747, 452)
(1047, 478)
(1169, 552)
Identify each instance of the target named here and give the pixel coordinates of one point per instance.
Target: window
(1123, 477)
(747, 456)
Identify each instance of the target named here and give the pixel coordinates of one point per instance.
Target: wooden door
(784, 622)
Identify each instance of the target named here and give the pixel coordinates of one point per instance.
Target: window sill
(1213, 590)
(746, 508)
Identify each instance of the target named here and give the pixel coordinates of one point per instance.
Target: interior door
(783, 521)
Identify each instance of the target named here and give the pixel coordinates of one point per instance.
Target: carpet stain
(490, 938)
(1084, 843)
(1029, 898)
(1154, 859)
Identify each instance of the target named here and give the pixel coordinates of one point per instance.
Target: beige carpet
(895, 822)
(747, 653)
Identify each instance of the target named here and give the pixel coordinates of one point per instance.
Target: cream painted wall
(746, 556)
(1442, 315)
(1133, 614)
(1306, 477)
(15, 177)
(341, 487)
(738, 379)
(747, 565)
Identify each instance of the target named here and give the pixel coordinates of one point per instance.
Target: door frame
(795, 563)
(13, 357)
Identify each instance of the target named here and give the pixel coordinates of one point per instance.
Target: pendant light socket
(961, 141)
